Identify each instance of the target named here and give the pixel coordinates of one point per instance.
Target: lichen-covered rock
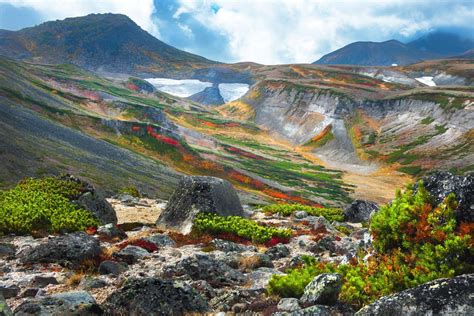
(315, 310)
(205, 267)
(40, 281)
(278, 251)
(131, 254)
(323, 289)
(112, 267)
(161, 240)
(229, 246)
(288, 304)
(441, 184)
(67, 250)
(152, 296)
(68, 303)
(199, 194)
(111, 231)
(360, 211)
(439, 297)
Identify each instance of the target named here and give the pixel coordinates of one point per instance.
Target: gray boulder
(323, 289)
(67, 250)
(439, 297)
(161, 240)
(278, 251)
(131, 254)
(441, 184)
(111, 231)
(9, 290)
(315, 310)
(288, 304)
(7, 250)
(40, 281)
(360, 211)
(229, 246)
(112, 267)
(151, 296)
(199, 194)
(68, 303)
(4, 309)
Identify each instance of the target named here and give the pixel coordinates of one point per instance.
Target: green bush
(239, 226)
(43, 205)
(331, 214)
(133, 191)
(415, 242)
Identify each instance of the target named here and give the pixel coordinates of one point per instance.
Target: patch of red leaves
(234, 238)
(148, 246)
(91, 230)
(276, 240)
(131, 86)
(243, 153)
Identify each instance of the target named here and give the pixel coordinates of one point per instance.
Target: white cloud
(140, 11)
(283, 31)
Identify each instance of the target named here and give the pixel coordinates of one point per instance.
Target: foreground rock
(68, 250)
(439, 297)
(68, 303)
(199, 194)
(441, 184)
(4, 309)
(360, 211)
(151, 296)
(323, 289)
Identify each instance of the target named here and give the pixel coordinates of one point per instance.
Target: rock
(239, 308)
(111, 231)
(42, 281)
(68, 250)
(208, 96)
(360, 211)
(67, 303)
(94, 201)
(89, 283)
(7, 250)
(161, 240)
(439, 297)
(277, 252)
(260, 277)
(112, 267)
(328, 242)
(152, 296)
(300, 214)
(315, 310)
(29, 292)
(323, 289)
(253, 261)
(9, 290)
(204, 288)
(229, 246)
(441, 184)
(199, 194)
(131, 254)
(289, 304)
(4, 309)
(320, 224)
(127, 199)
(205, 267)
(227, 299)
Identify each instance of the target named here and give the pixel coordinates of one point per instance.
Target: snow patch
(180, 88)
(232, 91)
(427, 80)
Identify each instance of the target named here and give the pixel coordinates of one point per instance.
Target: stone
(205, 267)
(89, 283)
(161, 240)
(7, 250)
(315, 310)
(68, 250)
(288, 304)
(204, 288)
(131, 254)
(127, 199)
(441, 184)
(278, 251)
(112, 267)
(111, 231)
(328, 242)
(152, 296)
(67, 303)
(439, 297)
(4, 309)
(228, 298)
(320, 223)
(42, 281)
(9, 290)
(229, 246)
(258, 279)
(196, 194)
(29, 292)
(300, 214)
(360, 211)
(323, 289)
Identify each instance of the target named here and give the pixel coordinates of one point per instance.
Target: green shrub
(43, 205)
(239, 226)
(331, 214)
(133, 191)
(415, 242)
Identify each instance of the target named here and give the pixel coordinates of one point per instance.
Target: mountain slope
(443, 43)
(98, 42)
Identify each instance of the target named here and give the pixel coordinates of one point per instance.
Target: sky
(263, 31)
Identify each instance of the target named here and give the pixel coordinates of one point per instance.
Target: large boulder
(439, 297)
(360, 211)
(68, 303)
(441, 184)
(323, 289)
(199, 194)
(68, 250)
(151, 296)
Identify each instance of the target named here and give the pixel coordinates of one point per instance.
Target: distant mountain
(99, 42)
(431, 46)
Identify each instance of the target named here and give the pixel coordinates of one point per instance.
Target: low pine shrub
(239, 226)
(43, 205)
(331, 214)
(133, 191)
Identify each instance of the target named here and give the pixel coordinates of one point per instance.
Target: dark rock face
(8, 291)
(131, 254)
(323, 289)
(161, 240)
(68, 303)
(112, 267)
(360, 211)
(441, 184)
(278, 251)
(67, 250)
(151, 296)
(7, 250)
(439, 297)
(229, 246)
(208, 96)
(199, 194)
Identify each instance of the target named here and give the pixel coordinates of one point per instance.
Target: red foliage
(131, 86)
(136, 128)
(91, 230)
(148, 246)
(234, 238)
(244, 153)
(276, 240)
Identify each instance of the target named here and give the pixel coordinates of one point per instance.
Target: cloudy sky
(264, 31)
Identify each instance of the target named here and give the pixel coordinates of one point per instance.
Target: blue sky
(264, 31)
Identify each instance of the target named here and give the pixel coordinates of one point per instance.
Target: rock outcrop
(324, 289)
(199, 194)
(439, 297)
(360, 211)
(208, 96)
